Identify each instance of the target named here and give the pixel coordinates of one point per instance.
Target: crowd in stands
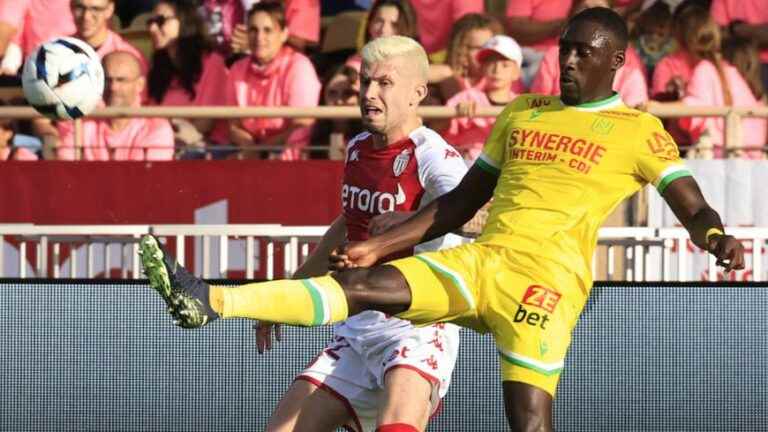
(303, 53)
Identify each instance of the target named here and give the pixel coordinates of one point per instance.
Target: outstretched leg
(314, 301)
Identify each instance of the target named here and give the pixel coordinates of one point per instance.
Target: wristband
(713, 231)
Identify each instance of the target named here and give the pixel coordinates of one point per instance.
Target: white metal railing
(220, 251)
(732, 116)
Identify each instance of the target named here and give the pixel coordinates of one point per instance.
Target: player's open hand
(353, 255)
(387, 221)
(728, 251)
(264, 335)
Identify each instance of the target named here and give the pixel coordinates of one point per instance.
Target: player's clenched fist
(728, 251)
(352, 255)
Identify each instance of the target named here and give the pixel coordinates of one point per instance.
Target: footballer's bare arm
(703, 223)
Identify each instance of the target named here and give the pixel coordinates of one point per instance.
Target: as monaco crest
(401, 161)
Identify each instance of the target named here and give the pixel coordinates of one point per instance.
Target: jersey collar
(609, 102)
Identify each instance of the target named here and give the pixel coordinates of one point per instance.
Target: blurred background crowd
(304, 53)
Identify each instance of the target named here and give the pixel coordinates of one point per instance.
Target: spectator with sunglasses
(274, 74)
(186, 71)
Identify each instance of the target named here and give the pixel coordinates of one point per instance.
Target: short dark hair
(609, 20)
(273, 8)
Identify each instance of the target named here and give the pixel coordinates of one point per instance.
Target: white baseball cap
(504, 45)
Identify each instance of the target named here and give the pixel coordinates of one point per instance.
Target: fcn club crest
(401, 161)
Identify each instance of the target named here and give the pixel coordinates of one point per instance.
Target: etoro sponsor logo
(371, 201)
(538, 297)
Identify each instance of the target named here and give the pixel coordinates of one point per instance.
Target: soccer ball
(63, 78)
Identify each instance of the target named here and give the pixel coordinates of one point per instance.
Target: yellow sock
(305, 302)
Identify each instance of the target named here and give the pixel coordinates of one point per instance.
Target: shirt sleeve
(494, 153)
(463, 7)
(703, 89)
(547, 78)
(158, 140)
(719, 12)
(633, 87)
(662, 74)
(302, 84)
(13, 12)
(303, 17)
(214, 76)
(65, 148)
(658, 158)
(441, 169)
(519, 8)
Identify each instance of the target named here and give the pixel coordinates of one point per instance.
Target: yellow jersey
(563, 169)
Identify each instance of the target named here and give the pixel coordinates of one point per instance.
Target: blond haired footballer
(555, 168)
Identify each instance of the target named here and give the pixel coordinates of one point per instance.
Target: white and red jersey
(403, 176)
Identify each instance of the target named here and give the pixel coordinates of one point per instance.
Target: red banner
(289, 193)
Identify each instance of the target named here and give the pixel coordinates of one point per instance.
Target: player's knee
(525, 419)
(381, 288)
(528, 408)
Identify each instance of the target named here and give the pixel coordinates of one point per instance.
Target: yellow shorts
(530, 304)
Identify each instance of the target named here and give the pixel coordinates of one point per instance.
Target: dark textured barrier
(103, 356)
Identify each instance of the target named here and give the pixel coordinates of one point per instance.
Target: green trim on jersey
(547, 369)
(455, 278)
(484, 163)
(669, 175)
(610, 102)
(318, 308)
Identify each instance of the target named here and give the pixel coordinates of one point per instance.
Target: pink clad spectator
(302, 20)
(387, 18)
(92, 19)
(185, 71)
(437, 17)
(120, 138)
(735, 82)
(673, 71)
(537, 23)
(629, 81)
(32, 22)
(500, 60)
(468, 36)
(273, 75)
(746, 19)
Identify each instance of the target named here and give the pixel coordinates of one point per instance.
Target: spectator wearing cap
(629, 82)
(302, 20)
(747, 19)
(185, 71)
(92, 19)
(500, 60)
(28, 23)
(468, 36)
(437, 17)
(274, 74)
(120, 139)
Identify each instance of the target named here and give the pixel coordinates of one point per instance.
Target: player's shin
(305, 302)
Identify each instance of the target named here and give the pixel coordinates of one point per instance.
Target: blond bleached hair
(389, 47)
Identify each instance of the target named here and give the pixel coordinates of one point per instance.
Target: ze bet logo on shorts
(540, 298)
(543, 298)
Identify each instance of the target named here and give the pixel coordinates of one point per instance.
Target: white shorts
(356, 377)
